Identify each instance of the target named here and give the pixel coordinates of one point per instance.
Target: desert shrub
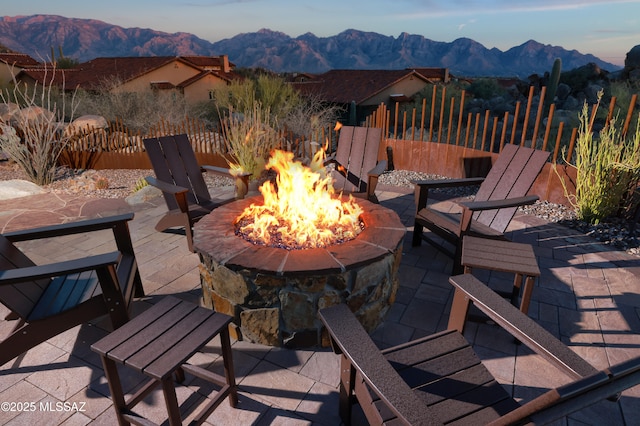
(250, 138)
(485, 88)
(607, 165)
(310, 116)
(303, 116)
(138, 111)
(34, 136)
(272, 93)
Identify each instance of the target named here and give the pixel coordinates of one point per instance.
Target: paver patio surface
(588, 295)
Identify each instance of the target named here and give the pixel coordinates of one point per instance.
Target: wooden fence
(118, 147)
(466, 144)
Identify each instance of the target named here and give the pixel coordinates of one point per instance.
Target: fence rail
(119, 147)
(486, 131)
(441, 142)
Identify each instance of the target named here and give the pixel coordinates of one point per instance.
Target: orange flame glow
(302, 209)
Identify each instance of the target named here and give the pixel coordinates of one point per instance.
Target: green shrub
(608, 167)
(250, 138)
(486, 88)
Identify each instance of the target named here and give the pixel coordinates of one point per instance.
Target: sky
(607, 29)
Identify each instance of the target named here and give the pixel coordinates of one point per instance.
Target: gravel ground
(120, 183)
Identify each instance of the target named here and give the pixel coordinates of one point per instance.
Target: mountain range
(85, 39)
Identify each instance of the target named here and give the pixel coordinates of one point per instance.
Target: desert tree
(34, 135)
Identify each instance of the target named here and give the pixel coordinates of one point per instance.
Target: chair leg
(347, 382)
(171, 401)
(417, 235)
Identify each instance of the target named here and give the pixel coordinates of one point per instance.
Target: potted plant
(250, 138)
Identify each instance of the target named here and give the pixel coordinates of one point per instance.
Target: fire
(302, 209)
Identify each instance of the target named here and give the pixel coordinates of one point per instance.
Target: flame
(302, 209)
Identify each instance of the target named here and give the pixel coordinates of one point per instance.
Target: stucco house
(193, 76)
(12, 63)
(366, 88)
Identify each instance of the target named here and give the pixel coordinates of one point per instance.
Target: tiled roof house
(12, 63)
(367, 88)
(193, 76)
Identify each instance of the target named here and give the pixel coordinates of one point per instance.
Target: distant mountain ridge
(85, 39)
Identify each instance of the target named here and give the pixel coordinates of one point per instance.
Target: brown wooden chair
(501, 192)
(356, 161)
(179, 177)
(438, 379)
(46, 300)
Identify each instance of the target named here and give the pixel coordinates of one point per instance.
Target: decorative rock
(31, 113)
(143, 195)
(17, 188)
(87, 122)
(229, 283)
(261, 325)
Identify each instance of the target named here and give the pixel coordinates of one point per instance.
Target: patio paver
(587, 295)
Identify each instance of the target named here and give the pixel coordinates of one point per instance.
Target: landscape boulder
(87, 122)
(632, 60)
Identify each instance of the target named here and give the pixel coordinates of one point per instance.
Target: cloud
(443, 8)
(470, 21)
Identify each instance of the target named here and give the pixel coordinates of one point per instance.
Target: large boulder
(632, 60)
(31, 114)
(7, 110)
(86, 123)
(632, 64)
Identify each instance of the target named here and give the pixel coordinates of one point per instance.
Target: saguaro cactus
(552, 87)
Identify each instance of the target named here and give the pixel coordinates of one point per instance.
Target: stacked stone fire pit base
(274, 294)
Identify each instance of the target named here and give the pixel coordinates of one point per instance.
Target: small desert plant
(34, 136)
(101, 182)
(607, 166)
(141, 183)
(250, 138)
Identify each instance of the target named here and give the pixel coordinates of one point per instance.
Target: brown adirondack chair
(356, 161)
(503, 190)
(180, 179)
(48, 299)
(438, 379)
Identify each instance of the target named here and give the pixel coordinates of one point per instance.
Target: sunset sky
(607, 29)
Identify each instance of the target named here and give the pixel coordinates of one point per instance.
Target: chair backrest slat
(357, 151)
(174, 161)
(512, 176)
(20, 298)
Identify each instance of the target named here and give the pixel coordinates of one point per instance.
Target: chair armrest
(448, 183)
(378, 169)
(330, 159)
(470, 289)
(225, 172)
(349, 338)
(166, 187)
(422, 188)
(499, 204)
(80, 226)
(31, 273)
(217, 170)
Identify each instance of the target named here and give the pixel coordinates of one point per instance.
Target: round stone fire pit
(274, 294)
